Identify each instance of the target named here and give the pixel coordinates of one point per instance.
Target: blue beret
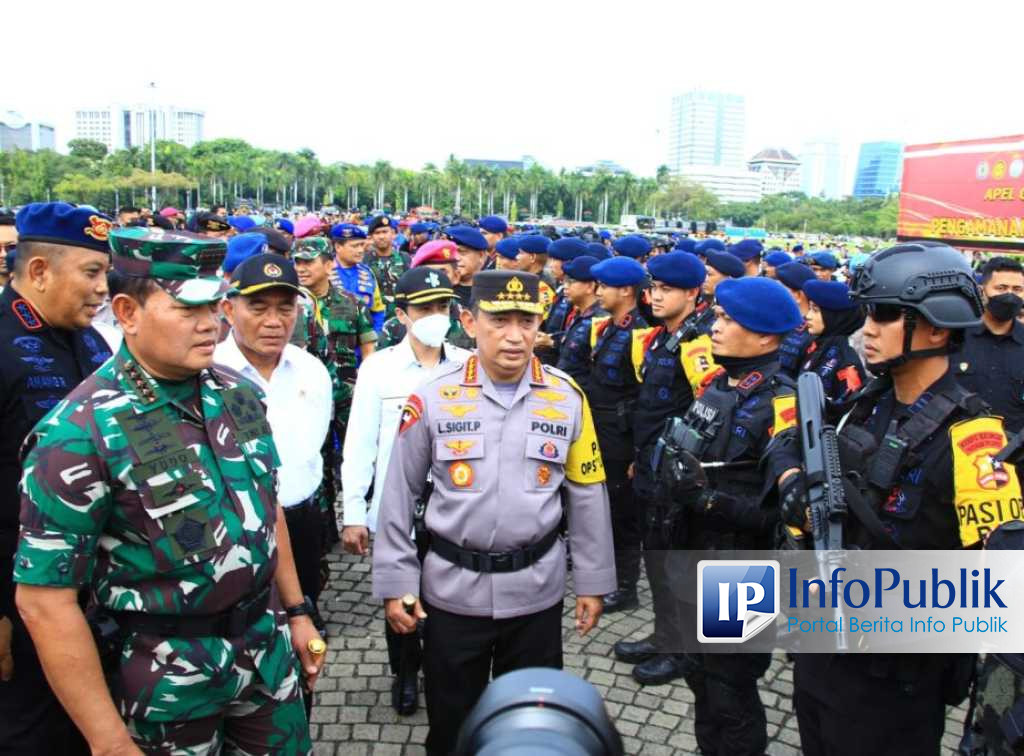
(568, 248)
(707, 245)
(829, 295)
(61, 223)
(283, 224)
(747, 249)
(241, 223)
(419, 228)
(508, 247)
(579, 268)
(633, 245)
(775, 259)
(598, 250)
(686, 244)
(535, 244)
(794, 275)
(825, 259)
(241, 248)
(605, 234)
(346, 231)
(798, 248)
(494, 223)
(619, 271)
(724, 263)
(759, 304)
(680, 269)
(467, 236)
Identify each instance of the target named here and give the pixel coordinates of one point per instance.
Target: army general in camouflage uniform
(340, 334)
(152, 484)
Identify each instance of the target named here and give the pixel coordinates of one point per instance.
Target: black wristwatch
(305, 609)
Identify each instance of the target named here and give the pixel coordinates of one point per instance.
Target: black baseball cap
(262, 272)
(422, 285)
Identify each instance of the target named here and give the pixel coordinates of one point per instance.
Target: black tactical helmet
(932, 278)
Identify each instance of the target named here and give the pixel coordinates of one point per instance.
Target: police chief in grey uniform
(501, 437)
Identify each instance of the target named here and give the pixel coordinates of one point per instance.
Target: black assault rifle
(823, 478)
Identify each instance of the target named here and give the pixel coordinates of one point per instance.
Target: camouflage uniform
(340, 325)
(160, 497)
(387, 271)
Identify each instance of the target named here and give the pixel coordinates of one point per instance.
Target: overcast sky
(567, 82)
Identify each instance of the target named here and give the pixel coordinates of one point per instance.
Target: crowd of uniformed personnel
(517, 397)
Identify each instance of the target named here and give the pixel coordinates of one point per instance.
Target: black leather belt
(230, 624)
(493, 561)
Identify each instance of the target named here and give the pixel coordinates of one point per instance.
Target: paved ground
(353, 713)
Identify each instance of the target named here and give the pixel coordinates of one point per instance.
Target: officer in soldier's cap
(152, 485)
(212, 225)
(508, 442)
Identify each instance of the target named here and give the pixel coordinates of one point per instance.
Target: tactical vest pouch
(856, 444)
(888, 460)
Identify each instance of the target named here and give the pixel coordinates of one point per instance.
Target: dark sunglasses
(882, 312)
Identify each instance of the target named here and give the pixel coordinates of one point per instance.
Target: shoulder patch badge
(411, 414)
(752, 380)
(26, 313)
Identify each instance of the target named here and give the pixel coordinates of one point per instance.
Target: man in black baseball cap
(213, 226)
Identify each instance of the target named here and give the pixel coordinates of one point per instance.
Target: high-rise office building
(17, 133)
(821, 169)
(120, 126)
(707, 129)
(879, 169)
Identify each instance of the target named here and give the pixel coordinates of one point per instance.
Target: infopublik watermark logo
(736, 600)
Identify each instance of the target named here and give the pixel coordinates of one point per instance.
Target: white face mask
(431, 330)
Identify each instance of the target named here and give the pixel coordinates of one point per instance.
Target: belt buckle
(501, 561)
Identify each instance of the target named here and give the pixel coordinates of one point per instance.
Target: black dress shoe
(621, 600)
(634, 652)
(659, 669)
(403, 695)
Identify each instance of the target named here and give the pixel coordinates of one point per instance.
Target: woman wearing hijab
(832, 317)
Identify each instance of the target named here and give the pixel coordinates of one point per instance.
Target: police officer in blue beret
(744, 418)
(286, 227)
(686, 244)
(580, 289)
(672, 360)
(473, 249)
(824, 264)
(749, 251)
(532, 258)
(793, 349)
(494, 228)
(632, 245)
(47, 347)
(506, 253)
(832, 318)
(598, 251)
(710, 244)
(613, 389)
(720, 266)
(773, 260)
(352, 274)
(549, 340)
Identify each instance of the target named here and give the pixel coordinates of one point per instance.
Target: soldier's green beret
(184, 265)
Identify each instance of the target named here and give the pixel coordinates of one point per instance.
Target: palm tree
(382, 173)
(601, 182)
(509, 181)
(430, 180)
(456, 172)
(404, 180)
(627, 185)
(536, 176)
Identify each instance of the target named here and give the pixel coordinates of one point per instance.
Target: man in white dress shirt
(297, 387)
(385, 380)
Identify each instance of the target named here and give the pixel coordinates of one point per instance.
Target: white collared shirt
(299, 406)
(385, 380)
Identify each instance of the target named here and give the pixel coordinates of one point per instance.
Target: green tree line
(228, 171)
